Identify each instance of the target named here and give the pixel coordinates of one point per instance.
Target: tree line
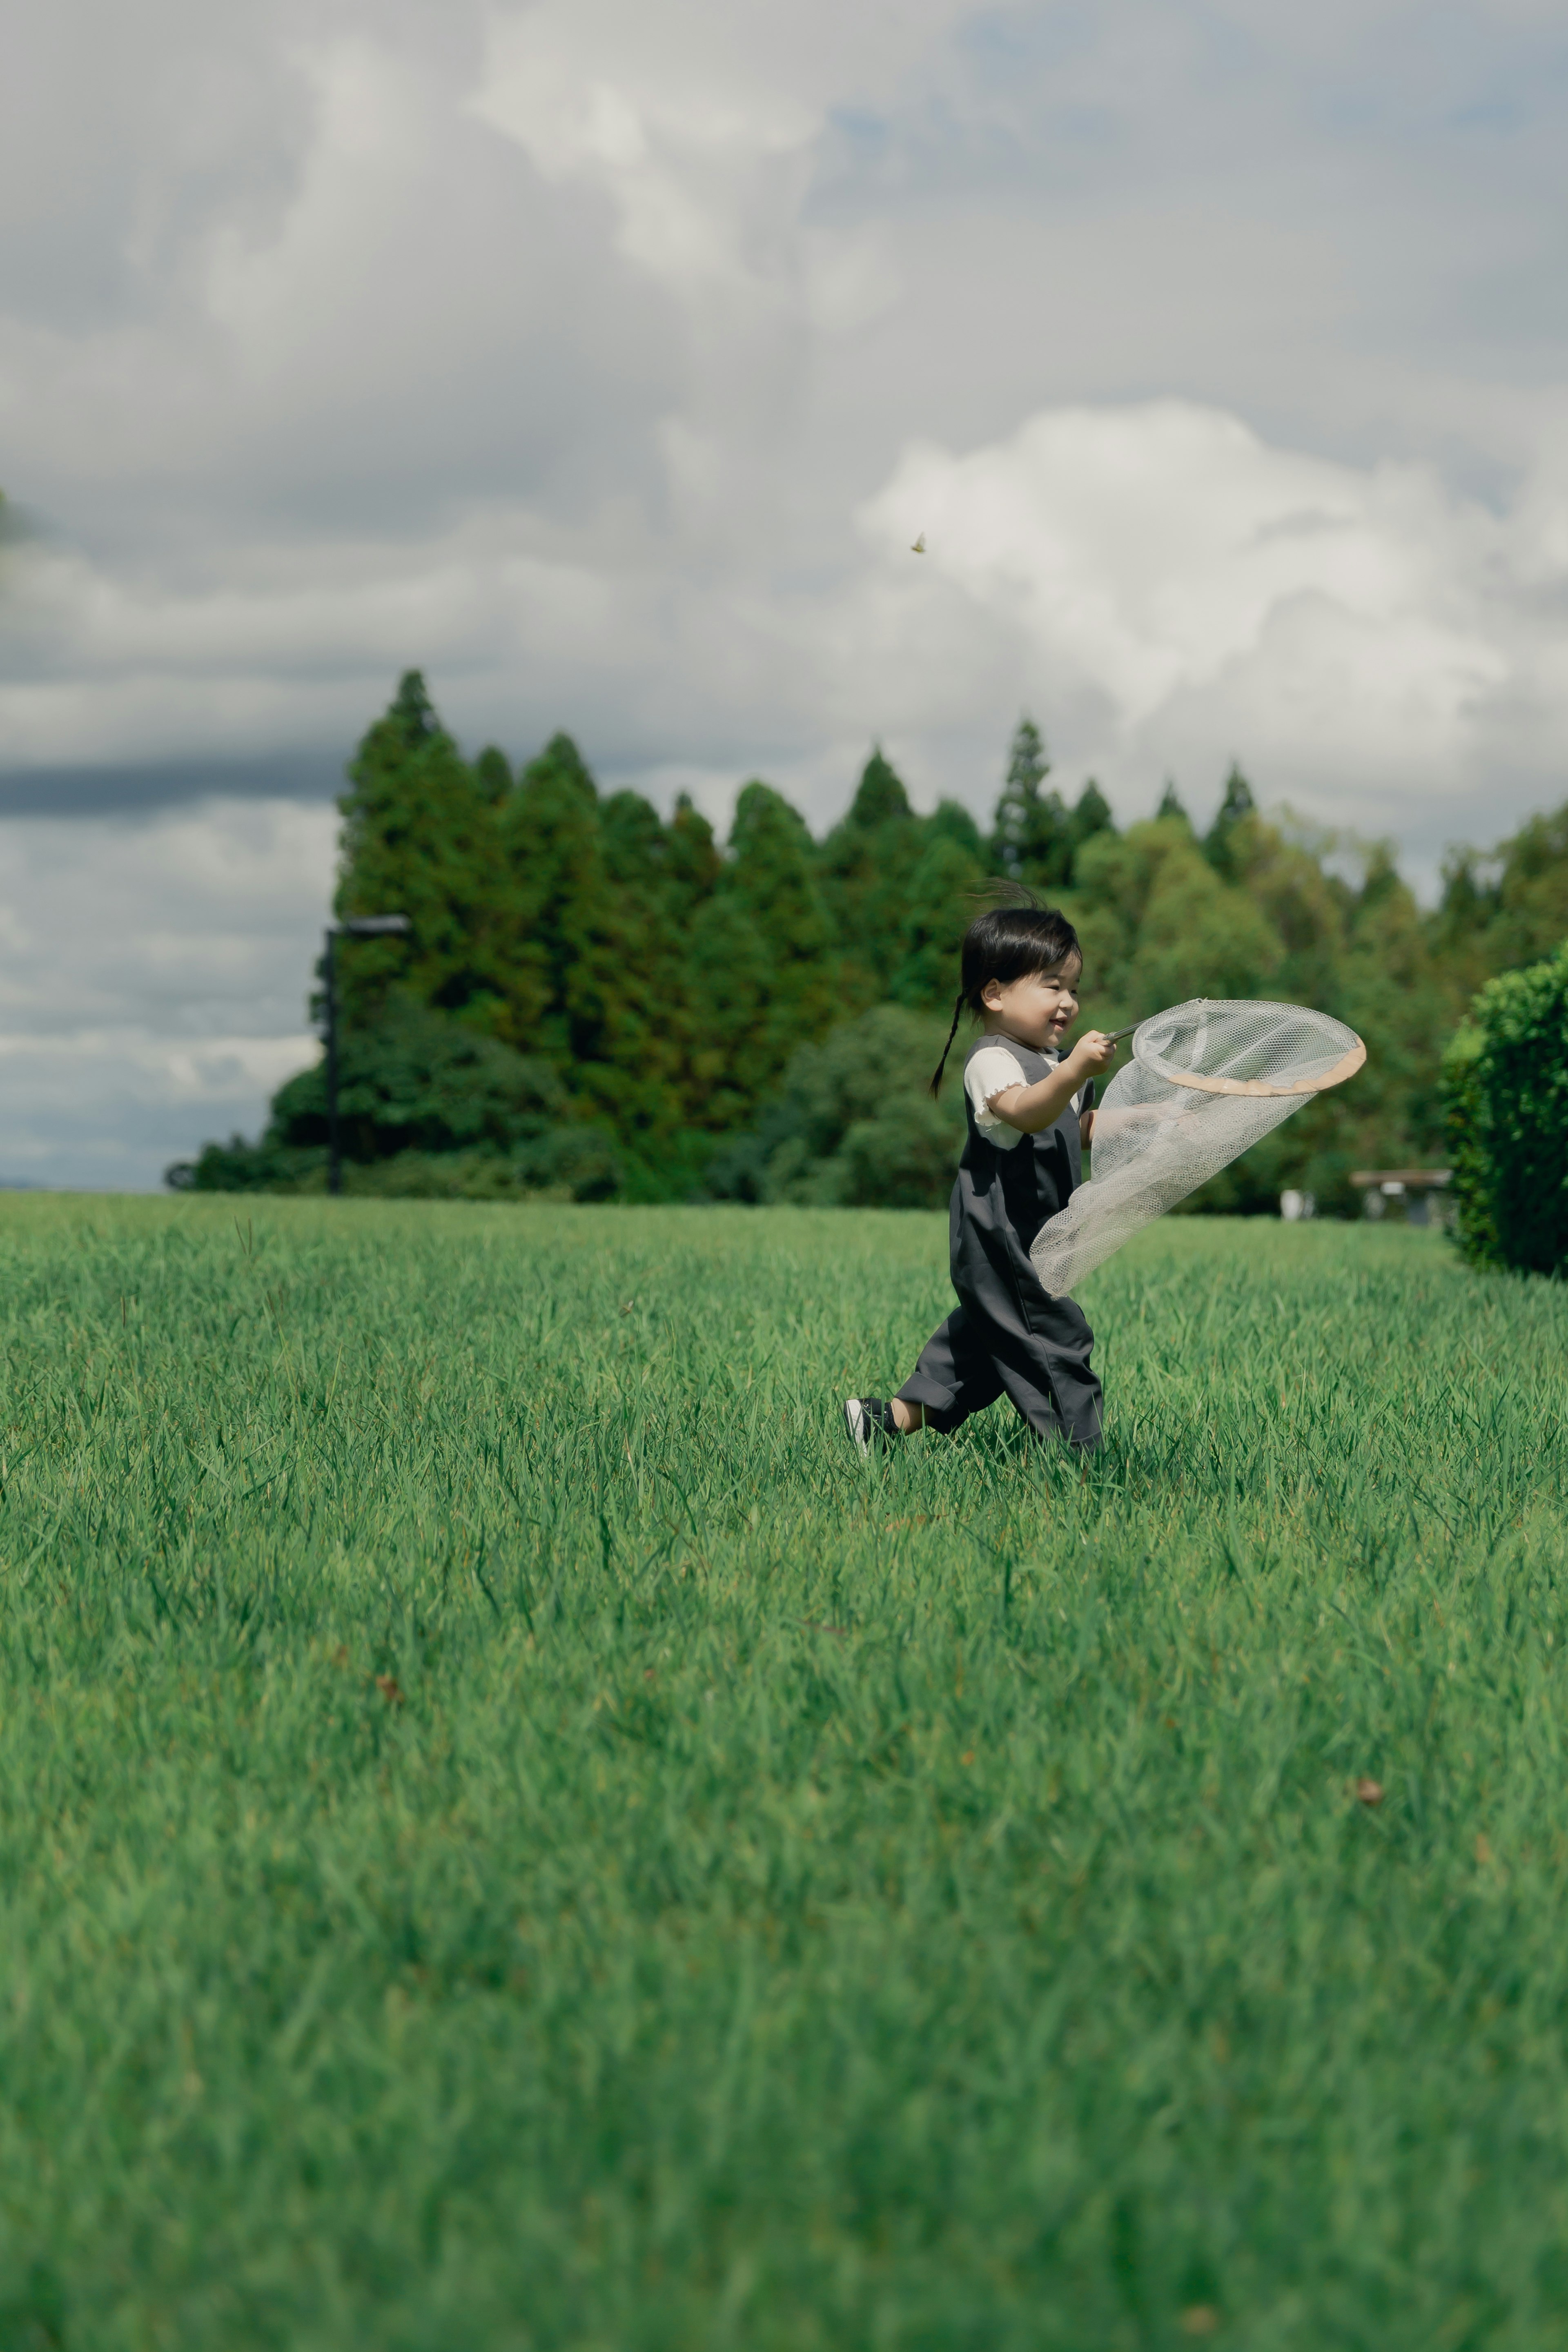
(597, 1001)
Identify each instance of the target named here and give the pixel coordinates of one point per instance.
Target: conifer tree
(659, 874)
(1031, 839)
(941, 904)
(867, 863)
(1092, 814)
(420, 839)
(693, 863)
(1223, 843)
(572, 951)
(634, 845)
(879, 797)
(762, 964)
(492, 774)
(952, 822)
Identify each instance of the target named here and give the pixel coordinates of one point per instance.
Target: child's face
(1039, 1009)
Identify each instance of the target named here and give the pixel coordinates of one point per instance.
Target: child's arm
(1031, 1110)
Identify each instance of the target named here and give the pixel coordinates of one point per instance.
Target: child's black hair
(1006, 943)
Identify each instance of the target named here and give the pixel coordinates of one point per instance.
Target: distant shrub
(586, 1171)
(1505, 1089)
(415, 1080)
(428, 1108)
(568, 1164)
(904, 1158)
(853, 1125)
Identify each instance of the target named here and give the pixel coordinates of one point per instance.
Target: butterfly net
(1206, 1081)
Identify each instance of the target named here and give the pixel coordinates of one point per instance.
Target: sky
(604, 357)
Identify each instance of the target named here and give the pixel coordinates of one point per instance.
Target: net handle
(1346, 1067)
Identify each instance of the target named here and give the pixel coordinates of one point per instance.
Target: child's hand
(1094, 1052)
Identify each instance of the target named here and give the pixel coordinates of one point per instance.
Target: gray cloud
(131, 788)
(153, 976)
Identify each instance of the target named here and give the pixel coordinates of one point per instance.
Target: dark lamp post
(357, 927)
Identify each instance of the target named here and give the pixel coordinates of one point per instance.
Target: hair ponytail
(957, 1016)
(1008, 943)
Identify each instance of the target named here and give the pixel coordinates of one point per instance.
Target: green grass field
(514, 1838)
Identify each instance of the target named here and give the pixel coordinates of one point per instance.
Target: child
(1020, 1165)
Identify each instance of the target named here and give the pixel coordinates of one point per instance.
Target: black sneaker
(869, 1422)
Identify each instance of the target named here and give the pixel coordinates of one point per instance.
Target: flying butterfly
(918, 546)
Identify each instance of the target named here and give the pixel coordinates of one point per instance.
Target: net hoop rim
(1345, 1067)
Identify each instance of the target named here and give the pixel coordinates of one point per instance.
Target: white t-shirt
(991, 1072)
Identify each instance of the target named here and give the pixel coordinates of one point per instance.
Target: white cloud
(655, 150)
(1360, 634)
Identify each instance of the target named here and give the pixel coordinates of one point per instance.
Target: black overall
(1009, 1333)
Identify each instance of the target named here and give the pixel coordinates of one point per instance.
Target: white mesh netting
(1206, 1081)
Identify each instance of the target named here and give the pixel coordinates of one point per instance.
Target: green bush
(1474, 1227)
(853, 1125)
(905, 1158)
(1505, 1087)
(427, 1109)
(451, 1176)
(418, 1081)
